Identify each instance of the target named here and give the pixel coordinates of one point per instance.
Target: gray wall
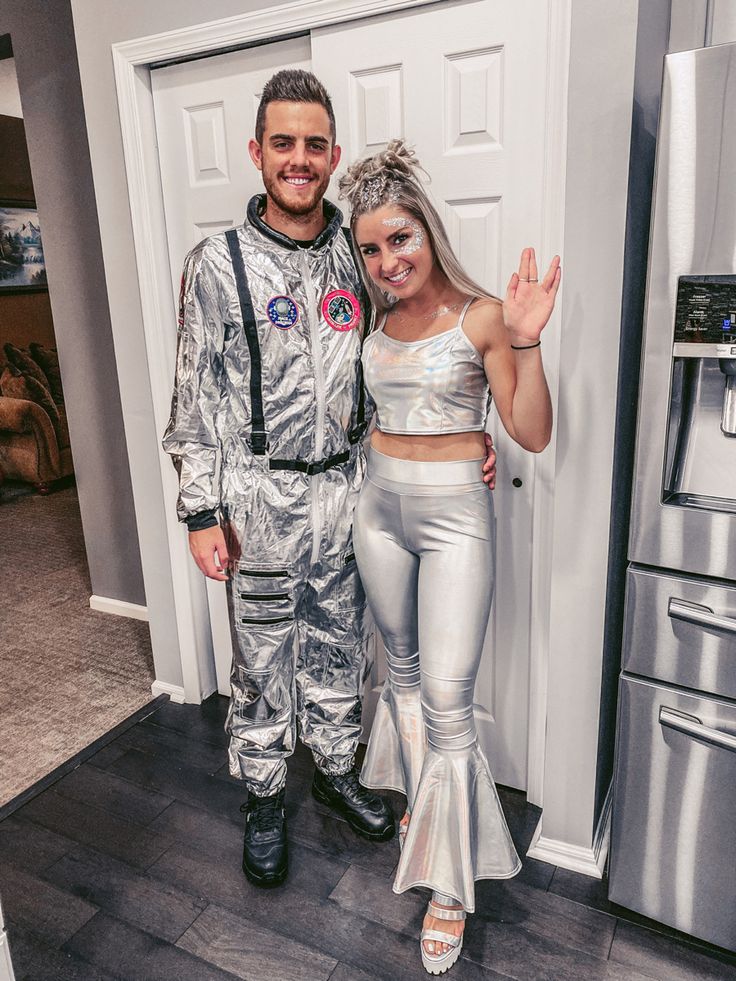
(651, 47)
(46, 62)
(600, 100)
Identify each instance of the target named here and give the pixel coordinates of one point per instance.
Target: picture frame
(22, 264)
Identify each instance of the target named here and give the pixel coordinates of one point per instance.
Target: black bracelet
(524, 347)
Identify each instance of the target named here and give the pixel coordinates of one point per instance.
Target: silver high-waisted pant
(424, 541)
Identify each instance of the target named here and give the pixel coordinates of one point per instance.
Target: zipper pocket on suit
(267, 620)
(264, 597)
(265, 573)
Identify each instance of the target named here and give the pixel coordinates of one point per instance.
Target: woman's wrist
(518, 340)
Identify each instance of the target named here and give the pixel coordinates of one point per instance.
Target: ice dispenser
(700, 467)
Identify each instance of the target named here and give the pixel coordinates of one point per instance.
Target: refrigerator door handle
(692, 726)
(680, 609)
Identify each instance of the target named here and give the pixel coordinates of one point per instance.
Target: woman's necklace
(433, 315)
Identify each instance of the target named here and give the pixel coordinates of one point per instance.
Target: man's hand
(489, 467)
(209, 551)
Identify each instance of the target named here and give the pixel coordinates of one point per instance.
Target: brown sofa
(34, 436)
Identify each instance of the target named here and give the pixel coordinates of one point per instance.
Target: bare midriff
(444, 446)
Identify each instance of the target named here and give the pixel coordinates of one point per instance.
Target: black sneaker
(265, 853)
(366, 813)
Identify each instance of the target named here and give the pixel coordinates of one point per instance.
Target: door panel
(462, 83)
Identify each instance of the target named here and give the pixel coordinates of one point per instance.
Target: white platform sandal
(439, 963)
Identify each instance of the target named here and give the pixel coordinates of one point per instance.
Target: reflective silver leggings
(424, 538)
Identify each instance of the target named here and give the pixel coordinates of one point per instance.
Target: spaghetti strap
(464, 311)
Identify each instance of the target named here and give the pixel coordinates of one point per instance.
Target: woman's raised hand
(529, 303)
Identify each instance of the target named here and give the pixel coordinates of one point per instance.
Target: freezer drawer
(680, 630)
(673, 833)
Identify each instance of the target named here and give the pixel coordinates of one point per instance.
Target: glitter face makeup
(412, 245)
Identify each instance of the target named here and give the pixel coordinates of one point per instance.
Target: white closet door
(464, 83)
(205, 115)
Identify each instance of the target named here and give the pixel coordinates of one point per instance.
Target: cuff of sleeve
(201, 520)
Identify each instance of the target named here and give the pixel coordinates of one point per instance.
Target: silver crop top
(436, 385)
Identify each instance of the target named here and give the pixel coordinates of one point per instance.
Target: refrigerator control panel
(706, 310)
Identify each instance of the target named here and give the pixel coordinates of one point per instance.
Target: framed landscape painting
(22, 266)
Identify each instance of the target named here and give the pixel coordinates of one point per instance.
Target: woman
(423, 528)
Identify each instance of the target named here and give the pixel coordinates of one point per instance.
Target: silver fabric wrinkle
(425, 552)
(435, 385)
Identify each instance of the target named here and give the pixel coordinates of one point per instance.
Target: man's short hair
(293, 85)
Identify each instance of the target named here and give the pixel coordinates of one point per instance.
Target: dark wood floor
(129, 867)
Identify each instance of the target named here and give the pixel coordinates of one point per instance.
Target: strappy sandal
(403, 830)
(439, 963)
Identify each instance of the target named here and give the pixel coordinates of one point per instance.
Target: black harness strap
(357, 430)
(259, 437)
(310, 469)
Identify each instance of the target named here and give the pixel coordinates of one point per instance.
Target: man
(268, 373)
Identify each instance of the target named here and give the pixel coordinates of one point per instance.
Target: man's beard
(303, 207)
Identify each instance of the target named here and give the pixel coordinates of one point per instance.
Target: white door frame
(132, 65)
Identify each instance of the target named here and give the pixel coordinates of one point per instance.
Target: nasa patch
(282, 311)
(341, 310)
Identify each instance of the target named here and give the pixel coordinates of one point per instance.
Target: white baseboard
(588, 861)
(175, 692)
(120, 608)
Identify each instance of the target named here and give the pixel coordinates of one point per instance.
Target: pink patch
(341, 310)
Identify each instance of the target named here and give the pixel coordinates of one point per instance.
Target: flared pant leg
(396, 750)
(437, 539)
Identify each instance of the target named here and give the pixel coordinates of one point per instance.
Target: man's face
(297, 155)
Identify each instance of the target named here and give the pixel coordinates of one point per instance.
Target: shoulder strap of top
(464, 311)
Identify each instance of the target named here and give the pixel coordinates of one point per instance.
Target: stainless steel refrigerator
(673, 843)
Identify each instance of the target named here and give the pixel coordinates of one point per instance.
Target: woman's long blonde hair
(392, 177)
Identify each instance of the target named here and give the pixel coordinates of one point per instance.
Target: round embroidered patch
(282, 311)
(341, 310)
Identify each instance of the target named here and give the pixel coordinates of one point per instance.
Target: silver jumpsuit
(268, 387)
(424, 538)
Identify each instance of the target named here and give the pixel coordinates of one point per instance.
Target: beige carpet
(67, 674)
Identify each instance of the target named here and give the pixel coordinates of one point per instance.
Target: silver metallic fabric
(435, 385)
(424, 540)
(295, 598)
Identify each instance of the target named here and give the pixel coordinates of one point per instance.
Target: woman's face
(396, 250)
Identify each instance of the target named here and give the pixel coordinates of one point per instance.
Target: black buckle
(310, 469)
(259, 443)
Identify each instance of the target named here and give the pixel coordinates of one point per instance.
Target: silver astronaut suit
(268, 375)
